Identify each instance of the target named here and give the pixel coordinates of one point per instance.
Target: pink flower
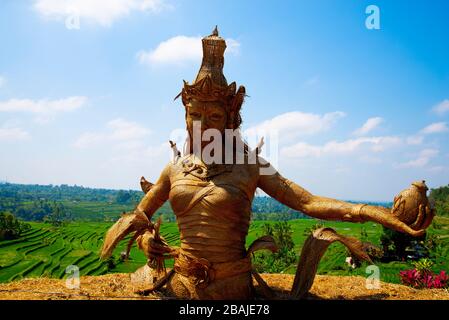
(426, 279)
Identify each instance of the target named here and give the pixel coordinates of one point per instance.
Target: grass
(48, 251)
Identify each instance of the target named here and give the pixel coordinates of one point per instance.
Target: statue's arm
(296, 197)
(157, 195)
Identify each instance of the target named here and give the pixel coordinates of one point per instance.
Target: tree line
(440, 199)
(31, 192)
(45, 203)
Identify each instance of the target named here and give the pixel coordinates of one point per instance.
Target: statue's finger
(399, 208)
(430, 214)
(403, 227)
(418, 233)
(419, 219)
(128, 223)
(154, 255)
(159, 247)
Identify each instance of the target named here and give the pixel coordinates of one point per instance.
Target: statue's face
(211, 115)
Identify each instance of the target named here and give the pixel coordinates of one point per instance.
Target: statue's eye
(216, 116)
(195, 114)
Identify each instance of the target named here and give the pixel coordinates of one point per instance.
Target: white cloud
(2, 81)
(370, 159)
(123, 133)
(437, 127)
(302, 150)
(102, 12)
(376, 144)
(414, 140)
(179, 50)
(437, 169)
(422, 160)
(13, 134)
(125, 130)
(89, 139)
(368, 126)
(124, 144)
(174, 50)
(292, 124)
(342, 170)
(142, 155)
(232, 46)
(442, 107)
(429, 153)
(43, 106)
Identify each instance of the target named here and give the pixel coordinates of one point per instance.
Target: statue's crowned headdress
(210, 83)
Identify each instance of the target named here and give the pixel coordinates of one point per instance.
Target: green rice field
(46, 251)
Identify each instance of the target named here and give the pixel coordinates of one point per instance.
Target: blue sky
(361, 113)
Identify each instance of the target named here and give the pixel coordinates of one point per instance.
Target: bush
(11, 227)
(440, 198)
(308, 231)
(420, 280)
(284, 257)
(111, 263)
(422, 276)
(423, 265)
(398, 246)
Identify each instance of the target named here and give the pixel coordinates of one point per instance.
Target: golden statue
(212, 204)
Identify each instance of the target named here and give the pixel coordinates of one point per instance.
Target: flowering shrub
(423, 265)
(424, 279)
(440, 280)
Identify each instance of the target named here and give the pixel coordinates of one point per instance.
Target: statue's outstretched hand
(403, 227)
(130, 222)
(154, 246)
(413, 210)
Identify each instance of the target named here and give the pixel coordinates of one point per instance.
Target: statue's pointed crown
(210, 83)
(212, 65)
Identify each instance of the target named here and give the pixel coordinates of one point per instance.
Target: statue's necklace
(203, 171)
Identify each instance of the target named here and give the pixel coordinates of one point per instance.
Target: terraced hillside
(47, 251)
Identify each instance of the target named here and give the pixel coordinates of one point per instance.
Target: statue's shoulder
(265, 167)
(177, 164)
(249, 164)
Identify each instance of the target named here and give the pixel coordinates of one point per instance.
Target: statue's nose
(204, 123)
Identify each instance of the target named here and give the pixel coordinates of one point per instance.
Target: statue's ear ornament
(237, 101)
(231, 89)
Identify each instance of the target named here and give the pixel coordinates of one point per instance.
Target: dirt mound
(120, 286)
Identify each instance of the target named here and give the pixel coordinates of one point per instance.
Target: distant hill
(61, 192)
(34, 202)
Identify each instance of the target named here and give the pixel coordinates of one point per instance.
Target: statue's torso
(213, 213)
